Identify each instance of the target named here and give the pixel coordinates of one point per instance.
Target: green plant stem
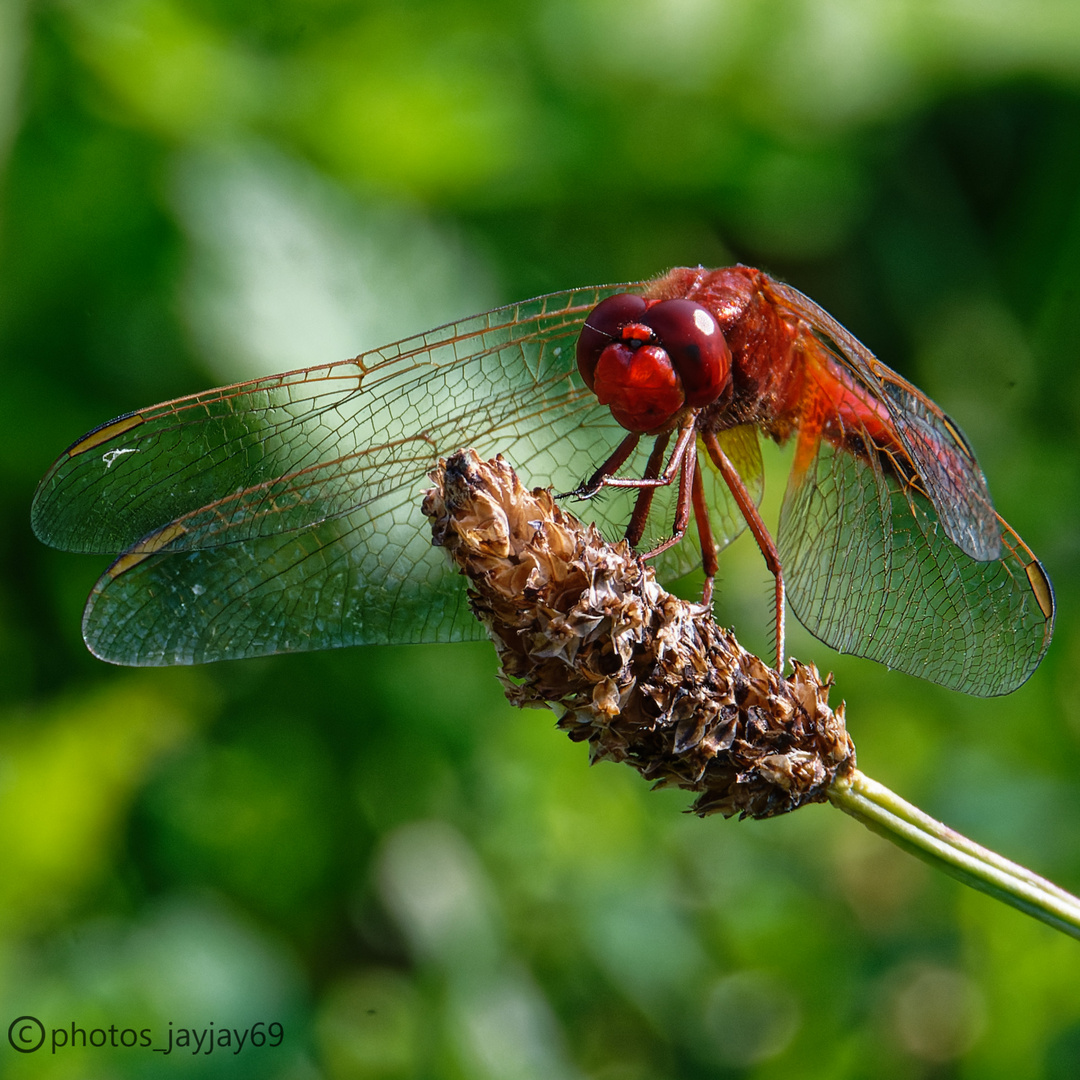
(908, 827)
(905, 825)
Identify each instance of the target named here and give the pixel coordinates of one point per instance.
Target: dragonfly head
(650, 360)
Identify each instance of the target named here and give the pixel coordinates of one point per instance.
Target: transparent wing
(283, 514)
(936, 453)
(871, 570)
(892, 548)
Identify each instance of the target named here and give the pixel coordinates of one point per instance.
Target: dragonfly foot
(584, 490)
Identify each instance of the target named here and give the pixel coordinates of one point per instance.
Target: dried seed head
(642, 676)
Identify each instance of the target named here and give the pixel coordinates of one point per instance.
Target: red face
(649, 360)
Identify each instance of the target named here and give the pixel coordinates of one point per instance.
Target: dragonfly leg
(678, 455)
(635, 529)
(684, 463)
(688, 468)
(588, 488)
(761, 534)
(704, 528)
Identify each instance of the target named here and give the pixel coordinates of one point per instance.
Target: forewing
(283, 514)
(938, 457)
(871, 570)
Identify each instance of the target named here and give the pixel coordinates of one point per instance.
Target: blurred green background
(370, 847)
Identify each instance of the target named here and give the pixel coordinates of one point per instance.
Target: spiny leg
(587, 488)
(635, 529)
(686, 439)
(684, 462)
(652, 480)
(761, 534)
(705, 535)
(696, 498)
(688, 466)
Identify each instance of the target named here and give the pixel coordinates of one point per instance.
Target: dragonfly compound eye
(693, 340)
(649, 360)
(603, 326)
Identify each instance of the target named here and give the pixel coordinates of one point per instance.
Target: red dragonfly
(282, 514)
